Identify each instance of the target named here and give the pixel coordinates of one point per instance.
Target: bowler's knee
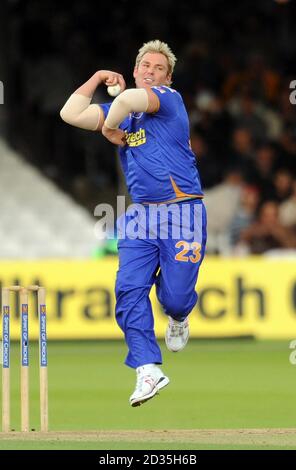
(179, 305)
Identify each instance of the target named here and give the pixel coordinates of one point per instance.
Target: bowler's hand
(112, 78)
(115, 136)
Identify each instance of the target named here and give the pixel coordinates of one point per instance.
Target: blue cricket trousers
(160, 249)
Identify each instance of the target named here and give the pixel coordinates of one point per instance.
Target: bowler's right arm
(78, 110)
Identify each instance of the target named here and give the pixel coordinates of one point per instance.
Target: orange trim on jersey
(180, 193)
(180, 196)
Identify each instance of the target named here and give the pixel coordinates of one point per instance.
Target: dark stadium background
(237, 58)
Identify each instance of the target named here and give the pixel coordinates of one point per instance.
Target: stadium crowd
(234, 72)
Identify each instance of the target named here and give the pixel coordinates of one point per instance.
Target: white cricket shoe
(177, 334)
(150, 379)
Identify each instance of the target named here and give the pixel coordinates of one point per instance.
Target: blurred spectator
(288, 145)
(272, 119)
(199, 69)
(267, 232)
(264, 167)
(245, 214)
(257, 76)
(287, 112)
(242, 151)
(282, 185)
(209, 165)
(213, 121)
(288, 209)
(247, 117)
(222, 203)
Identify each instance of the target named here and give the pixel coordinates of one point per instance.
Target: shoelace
(140, 380)
(176, 329)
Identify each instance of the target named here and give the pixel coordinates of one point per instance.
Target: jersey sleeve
(105, 107)
(169, 101)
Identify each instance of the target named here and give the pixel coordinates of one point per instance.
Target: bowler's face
(153, 70)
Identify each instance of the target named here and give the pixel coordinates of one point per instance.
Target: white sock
(146, 368)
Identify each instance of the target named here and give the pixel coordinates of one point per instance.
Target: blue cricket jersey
(158, 163)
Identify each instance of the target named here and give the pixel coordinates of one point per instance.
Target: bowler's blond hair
(160, 47)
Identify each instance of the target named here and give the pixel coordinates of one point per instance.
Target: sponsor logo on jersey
(134, 139)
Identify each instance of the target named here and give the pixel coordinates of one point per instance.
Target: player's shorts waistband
(175, 200)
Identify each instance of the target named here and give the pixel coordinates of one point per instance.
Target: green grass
(87, 445)
(214, 384)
